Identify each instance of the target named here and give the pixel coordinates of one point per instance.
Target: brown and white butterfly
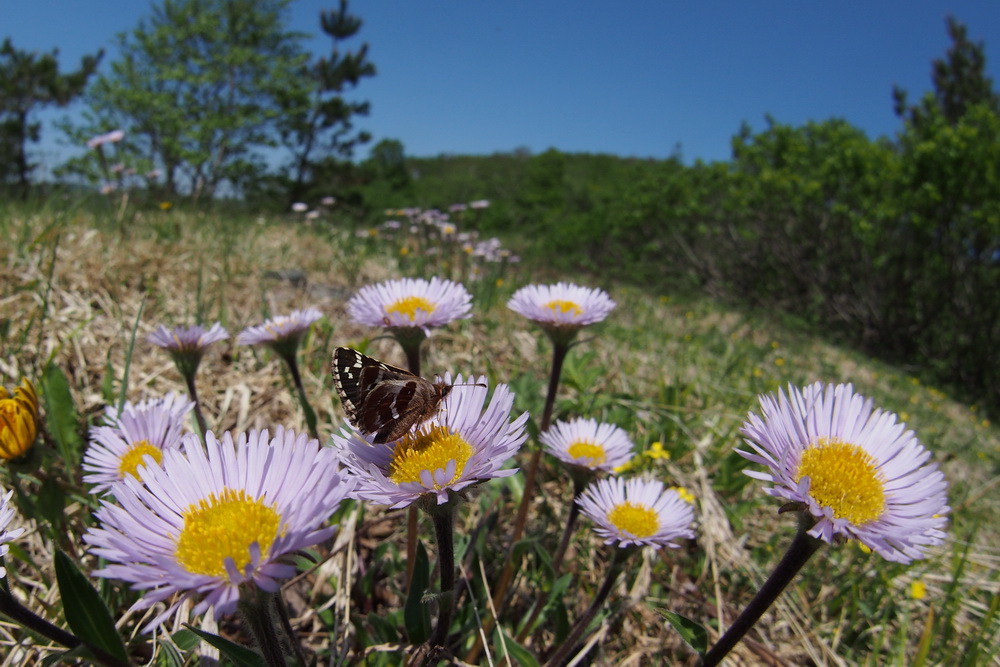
(381, 399)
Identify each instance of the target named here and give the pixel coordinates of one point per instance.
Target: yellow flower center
(409, 306)
(225, 527)
(634, 519)
(586, 452)
(563, 307)
(431, 449)
(132, 459)
(844, 478)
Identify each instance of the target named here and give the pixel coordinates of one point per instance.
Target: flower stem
(573, 638)
(254, 611)
(310, 414)
(198, 415)
(802, 547)
(11, 608)
(444, 530)
(410, 341)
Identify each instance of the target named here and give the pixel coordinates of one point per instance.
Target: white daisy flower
(563, 305)
(281, 329)
(465, 444)
(216, 518)
(588, 443)
(118, 448)
(410, 302)
(861, 474)
(637, 512)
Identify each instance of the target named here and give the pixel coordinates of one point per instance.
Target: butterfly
(381, 399)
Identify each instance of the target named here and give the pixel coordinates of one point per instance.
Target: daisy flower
(561, 307)
(187, 344)
(280, 331)
(588, 443)
(214, 519)
(120, 446)
(637, 512)
(463, 445)
(18, 420)
(6, 516)
(857, 470)
(409, 303)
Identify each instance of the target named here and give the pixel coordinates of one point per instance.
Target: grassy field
(672, 369)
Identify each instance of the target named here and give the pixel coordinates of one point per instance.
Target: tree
(960, 81)
(28, 82)
(196, 90)
(315, 117)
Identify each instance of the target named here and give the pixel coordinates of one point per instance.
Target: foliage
(195, 89)
(29, 82)
(314, 117)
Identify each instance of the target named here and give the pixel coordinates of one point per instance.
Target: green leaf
(87, 615)
(51, 501)
(240, 655)
(60, 414)
(693, 633)
(128, 358)
(415, 613)
(509, 647)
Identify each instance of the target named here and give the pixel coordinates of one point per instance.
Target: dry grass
(684, 373)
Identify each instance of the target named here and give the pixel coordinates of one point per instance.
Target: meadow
(83, 288)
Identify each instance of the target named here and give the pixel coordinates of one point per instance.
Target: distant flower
(6, 536)
(410, 302)
(448, 228)
(465, 444)
(18, 420)
(637, 512)
(117, 168)
(300, 207)
(563, 308)
(280, 329)
(165, 206)
(117, 450)
(328, 201)
(857, 471)
(187, 344)
(457, 208)
(153, 175)
(110, 138)
(312, 215)
(479, 203)
(588, 443)
(214, 519)
(107, 188)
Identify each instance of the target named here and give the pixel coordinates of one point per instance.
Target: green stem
(254, 611)
(444, 530)
(802, 547)
(198, 416)
(310, 414)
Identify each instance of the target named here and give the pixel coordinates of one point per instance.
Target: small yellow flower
(664, 299)
(499, 282)
(18, 420)
(904, 416)
(625, 467)
(985, 423)
(775, 345)
(918, 590)
(404, 251)
(685, 495)
(656, 451)
(780, 361)
(758, 372)
(165, 205)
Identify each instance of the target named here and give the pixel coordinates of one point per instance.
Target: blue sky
(636, 78)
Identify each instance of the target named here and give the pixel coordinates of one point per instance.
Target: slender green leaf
(87, 615)
(60, 414)
(240, 655)
(128, 358)
(506, 646)
(693, 633)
